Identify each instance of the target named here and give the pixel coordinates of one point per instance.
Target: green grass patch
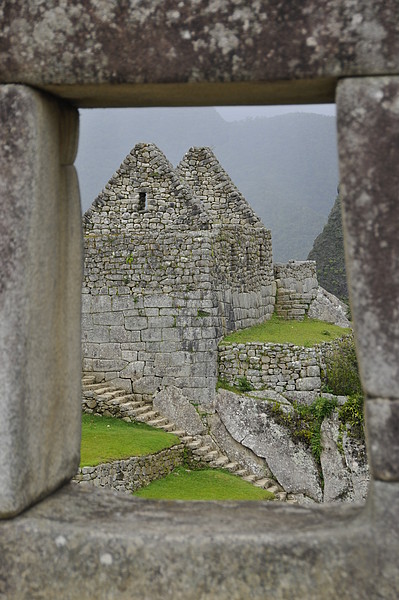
(205, 484)
(300, 333)
(105, 439)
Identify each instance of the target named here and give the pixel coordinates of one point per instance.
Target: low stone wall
(281, 367)
(131, 474)
(297, 286)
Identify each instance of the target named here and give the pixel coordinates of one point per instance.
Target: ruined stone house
(174, 259)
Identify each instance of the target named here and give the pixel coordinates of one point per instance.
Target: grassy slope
(301, 333)
(207, 484)
(105, 439)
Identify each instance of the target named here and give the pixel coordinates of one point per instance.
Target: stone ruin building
(174, 260)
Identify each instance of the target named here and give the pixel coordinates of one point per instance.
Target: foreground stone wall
(132, 473)
(83, 542)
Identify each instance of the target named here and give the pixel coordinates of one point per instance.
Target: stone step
(281, 496)
(194, 445)
(202, 450)
(168, 427)
(141, 410)
(88, 379)
(97, 387)
(147, 416)
(180, 434)
(273, 489)
(212, 455)
(263, 483)
(250, 478)
(157, 422)
(186, 438)
(232, 467)
(129, 406)
(271, 484)
(241, 472)
(126, 398)
(220, 462)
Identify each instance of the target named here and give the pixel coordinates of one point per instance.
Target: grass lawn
(105, 439)
(301, 333)
(204, 484)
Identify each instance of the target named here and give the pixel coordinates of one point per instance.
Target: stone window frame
(67, 540)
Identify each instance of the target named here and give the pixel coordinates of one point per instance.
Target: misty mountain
(286, 166)
(328, 252)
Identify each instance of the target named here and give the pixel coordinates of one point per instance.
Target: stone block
(40, 288)
(100, 303)
(146, 385)
(369, 187)
(382, 429)
(136, 323)
(174, 405)
(119, 334)
(308, 384)
(108, 318)
(151, 335)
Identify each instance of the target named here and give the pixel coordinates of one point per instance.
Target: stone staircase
(103, 398)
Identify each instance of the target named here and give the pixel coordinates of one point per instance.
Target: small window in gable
(142, 201)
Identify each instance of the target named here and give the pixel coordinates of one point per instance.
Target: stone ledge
(104, 544)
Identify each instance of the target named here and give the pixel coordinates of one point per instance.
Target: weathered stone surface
(382, 418)
(337, 480)
(250, 422)
(174, 405)
(68, 48)
(146, 385)
(368, 122)
(234, 450)
(40, 275)
(327, 307)
(138, 549)
(356, 460)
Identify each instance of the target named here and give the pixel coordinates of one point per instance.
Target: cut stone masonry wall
(133, 473)
(297, 286)
(281, 367)
(164, 281)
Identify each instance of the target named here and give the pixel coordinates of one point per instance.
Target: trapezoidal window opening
(142, 201)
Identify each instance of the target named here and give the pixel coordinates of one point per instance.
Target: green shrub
(352, 414)
(341, 374)
(244, 385)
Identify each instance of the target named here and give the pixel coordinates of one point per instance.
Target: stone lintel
(76, 48)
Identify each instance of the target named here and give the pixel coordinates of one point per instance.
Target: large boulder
(173, 404)
(235, 451)
(337, 480)
(327, 307)
(344, 463)
(254, 424)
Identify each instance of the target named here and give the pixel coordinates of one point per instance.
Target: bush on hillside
(341, 373)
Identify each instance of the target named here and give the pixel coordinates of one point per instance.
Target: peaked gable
(145, 193)
(201, 170)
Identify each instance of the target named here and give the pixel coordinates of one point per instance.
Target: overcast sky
(237, 113)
